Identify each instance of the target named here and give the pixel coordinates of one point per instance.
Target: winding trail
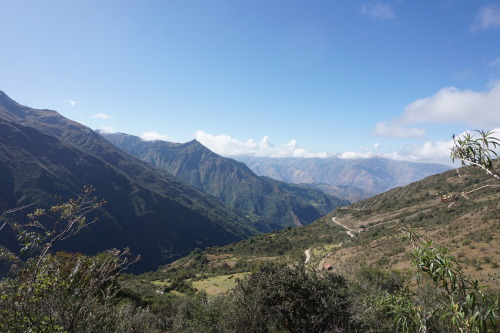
(307, 252)
(350, 232)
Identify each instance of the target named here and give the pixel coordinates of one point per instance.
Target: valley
(468, 228)
(184, 228)
(268, 203)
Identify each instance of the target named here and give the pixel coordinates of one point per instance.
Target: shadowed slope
(269, 203)
(43, 154)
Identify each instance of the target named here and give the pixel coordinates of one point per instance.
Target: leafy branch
(59, 222)
(477, 150)
(469, 308)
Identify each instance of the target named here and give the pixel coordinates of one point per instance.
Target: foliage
(468, 308)
(300, 299)
(61, 292)
(369, 287)
(478, 151)
(59, 222)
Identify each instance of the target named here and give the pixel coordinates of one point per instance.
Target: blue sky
(271, 78)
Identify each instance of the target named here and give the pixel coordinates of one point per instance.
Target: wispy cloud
(429, 151)
(101, 116)
(224, 144)
(72, 102)
(434, 151)
(108, 129)
(227, 146)
(154, 136)
(451, 105)
(355, 155)
(397, 131)
(377, 10)
(488, 17)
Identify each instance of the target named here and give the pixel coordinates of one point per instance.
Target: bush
(296, 298)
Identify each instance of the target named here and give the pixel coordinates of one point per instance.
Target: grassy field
(218, 284)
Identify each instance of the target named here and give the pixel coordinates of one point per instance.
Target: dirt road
(308, 255)
(350, 232)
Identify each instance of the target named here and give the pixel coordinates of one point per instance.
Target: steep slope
(458, 209)
(269, 203)
(43, 154)
(373, 175)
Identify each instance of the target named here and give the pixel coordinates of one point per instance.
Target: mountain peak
(193, 142)
(195, 145)
(5, 100)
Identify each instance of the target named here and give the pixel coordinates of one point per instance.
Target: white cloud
(72, 102)
(101, 116)
(430, 151)
(108, 129)
(227, 146)
(265, 143)
(352, 154)
(292, 144)
(154, 136)
(377, 10)
(451, 105)
(433, 152)
(224, 144)
(397, 131)
(488, 17)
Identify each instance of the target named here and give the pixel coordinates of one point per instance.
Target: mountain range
(369, 176)
(175, 198)
(269, 203)
(43, 155)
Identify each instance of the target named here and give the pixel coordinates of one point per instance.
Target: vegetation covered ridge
(264, 284)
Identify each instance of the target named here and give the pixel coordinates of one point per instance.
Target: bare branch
(10, 211)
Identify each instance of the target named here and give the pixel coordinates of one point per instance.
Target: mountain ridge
(43, 154)
(271, 204)
(373, 175)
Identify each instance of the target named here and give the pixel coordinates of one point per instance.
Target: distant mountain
(352, 194)
(43, 154)
(373, 175)
(269, 203)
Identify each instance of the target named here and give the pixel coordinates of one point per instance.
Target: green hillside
(458, 210)
(269, 203)
(468, 226)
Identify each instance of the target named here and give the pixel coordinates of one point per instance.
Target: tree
(476, 150)
(60, 292)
